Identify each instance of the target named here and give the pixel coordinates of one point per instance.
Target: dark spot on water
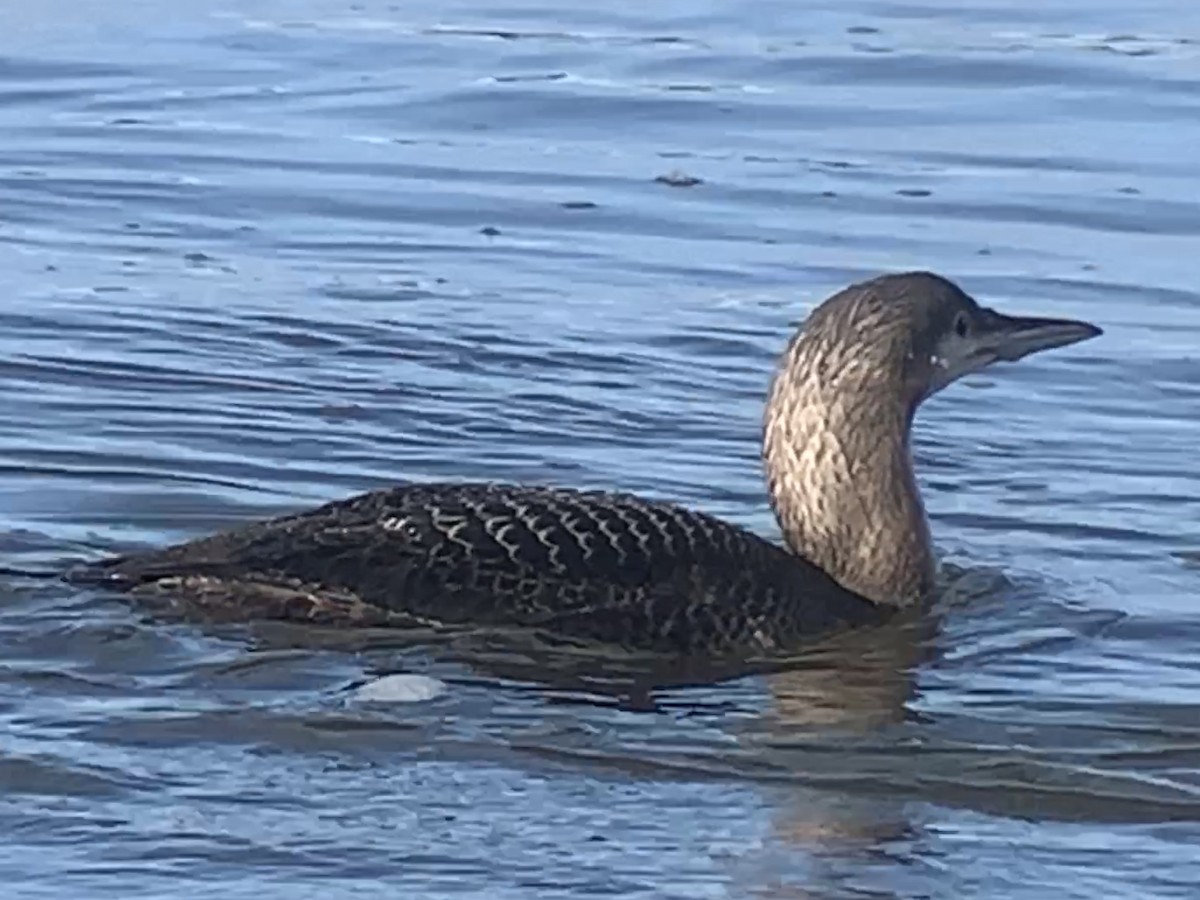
(679, 179)
(914, 192)
(578, 204)
(862, 29)
(489, 231)
(510, 79)
(1128, 190)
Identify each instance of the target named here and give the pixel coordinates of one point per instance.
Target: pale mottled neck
(841, 481)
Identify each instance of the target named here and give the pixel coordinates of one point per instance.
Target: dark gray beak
(1010, 338)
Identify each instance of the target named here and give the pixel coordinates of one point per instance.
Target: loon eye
(961, 325)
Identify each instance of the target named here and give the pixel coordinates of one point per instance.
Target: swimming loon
(619, 569)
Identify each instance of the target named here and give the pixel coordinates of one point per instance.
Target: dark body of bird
(597, 566)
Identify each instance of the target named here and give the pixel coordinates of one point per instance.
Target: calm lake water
(258, 255)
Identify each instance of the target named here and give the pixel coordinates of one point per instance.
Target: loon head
(911, 335)
(837, 424)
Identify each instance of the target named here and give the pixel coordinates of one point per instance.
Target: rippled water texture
(257, 255)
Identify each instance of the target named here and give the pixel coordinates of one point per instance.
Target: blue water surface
(262, 254)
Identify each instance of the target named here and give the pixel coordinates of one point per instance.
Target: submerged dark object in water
(616, 568)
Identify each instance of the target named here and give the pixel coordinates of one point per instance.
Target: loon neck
(842, 485)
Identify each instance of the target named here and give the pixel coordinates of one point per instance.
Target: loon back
(591, 565)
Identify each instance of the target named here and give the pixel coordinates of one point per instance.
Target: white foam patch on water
(403, 688)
